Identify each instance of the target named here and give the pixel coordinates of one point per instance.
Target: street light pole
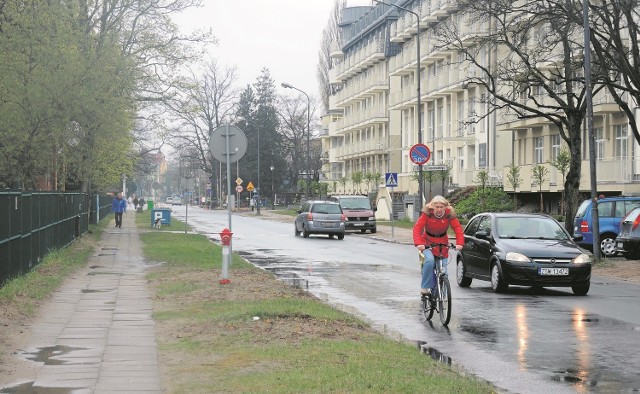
(419, 106)
(273, 196)
(308, 166)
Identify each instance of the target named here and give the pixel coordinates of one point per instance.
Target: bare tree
(538, 71)
(614, 37)
(292, 111)
(330, 40)
(208, 101)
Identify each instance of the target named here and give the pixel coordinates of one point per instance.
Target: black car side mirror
(578, 238)
(482, 235)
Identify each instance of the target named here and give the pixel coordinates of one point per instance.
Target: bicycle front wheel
(444, 301)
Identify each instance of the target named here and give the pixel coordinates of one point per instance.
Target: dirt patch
(625, 270)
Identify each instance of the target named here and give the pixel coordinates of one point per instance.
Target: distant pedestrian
(135, 202)
(141, 203)
(118, 207)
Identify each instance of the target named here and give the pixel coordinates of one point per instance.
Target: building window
(472, 115)
(555, 146)
(600, 140)
(432, 123)
(538, 144)
(482, 155)
(461, 158)
(460, 116)
(621, 141)
(440, 120)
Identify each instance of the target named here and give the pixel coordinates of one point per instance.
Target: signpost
(228, 144)
(391, 180)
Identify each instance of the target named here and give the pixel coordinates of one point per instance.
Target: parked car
(522, 249)
(611, 210)
(320, 217)
(358, 211)
(628, 240)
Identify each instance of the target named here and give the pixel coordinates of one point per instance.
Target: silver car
(320, 217)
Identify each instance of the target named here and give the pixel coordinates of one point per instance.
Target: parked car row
(616, 225)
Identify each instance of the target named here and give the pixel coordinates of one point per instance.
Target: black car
(522, 249)
(628, 240)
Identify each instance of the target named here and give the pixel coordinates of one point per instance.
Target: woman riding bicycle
(431, 228)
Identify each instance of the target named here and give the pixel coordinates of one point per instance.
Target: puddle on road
(435, 354)
(96, 290)
(45, 354)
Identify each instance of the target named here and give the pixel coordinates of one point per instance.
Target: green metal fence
(34, 223)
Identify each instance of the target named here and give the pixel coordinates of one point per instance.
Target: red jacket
(429, 230)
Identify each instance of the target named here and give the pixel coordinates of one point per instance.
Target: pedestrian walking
(135, 203)
(118, 207)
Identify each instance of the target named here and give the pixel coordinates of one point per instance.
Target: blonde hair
(438, 200)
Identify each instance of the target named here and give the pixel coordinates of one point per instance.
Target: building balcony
(361, 119)
(358, 89)
(360, 60)
(370, 147)
(336, 52)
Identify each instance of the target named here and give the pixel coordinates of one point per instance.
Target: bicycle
(440, 301)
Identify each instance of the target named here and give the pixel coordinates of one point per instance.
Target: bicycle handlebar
(450, 245)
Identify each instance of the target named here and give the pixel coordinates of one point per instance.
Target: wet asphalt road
(524, 341)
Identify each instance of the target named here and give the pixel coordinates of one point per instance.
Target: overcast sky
(281, 35)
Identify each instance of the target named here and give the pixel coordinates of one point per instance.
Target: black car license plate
(553, 271)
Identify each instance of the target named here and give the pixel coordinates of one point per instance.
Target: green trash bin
(149, 205)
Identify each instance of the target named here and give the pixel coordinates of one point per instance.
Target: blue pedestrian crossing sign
(391, 179)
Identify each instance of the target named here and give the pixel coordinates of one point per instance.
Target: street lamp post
(273, 196)
(419, 106)
(308, 166)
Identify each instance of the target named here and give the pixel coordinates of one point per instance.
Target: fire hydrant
(225, 239)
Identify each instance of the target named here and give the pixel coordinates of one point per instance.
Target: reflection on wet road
(527, 340)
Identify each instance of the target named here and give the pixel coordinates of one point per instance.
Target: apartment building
(373, 120)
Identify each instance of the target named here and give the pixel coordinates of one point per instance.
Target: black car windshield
(355, 203)
(326, 208)
(522, 227)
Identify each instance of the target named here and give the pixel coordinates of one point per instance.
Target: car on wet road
(320, 217)
(522, 249)
(628, 240)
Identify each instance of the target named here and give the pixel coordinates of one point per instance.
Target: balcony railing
(362, 148)
(361, 118)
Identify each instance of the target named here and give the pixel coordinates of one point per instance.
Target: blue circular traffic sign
(420, 154)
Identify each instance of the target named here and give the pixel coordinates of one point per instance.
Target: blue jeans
(428, 277)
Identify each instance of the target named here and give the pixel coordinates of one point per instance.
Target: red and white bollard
(225, 238)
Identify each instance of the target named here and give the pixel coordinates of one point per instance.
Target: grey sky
(282, 35)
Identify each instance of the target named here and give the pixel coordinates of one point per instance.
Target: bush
(495, 200)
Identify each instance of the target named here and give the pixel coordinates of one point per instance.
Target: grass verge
(257, 334)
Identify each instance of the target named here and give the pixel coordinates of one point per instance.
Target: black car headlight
(582, 259)
(515, 257)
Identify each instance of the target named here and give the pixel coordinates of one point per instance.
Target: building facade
(373, 120)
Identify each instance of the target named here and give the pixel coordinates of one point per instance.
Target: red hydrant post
(225, 239)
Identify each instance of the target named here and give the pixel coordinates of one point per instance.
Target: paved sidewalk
(96, 334)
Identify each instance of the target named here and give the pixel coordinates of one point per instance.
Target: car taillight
(343, 218)
(310, 216)
(636, 223)
(584, 226)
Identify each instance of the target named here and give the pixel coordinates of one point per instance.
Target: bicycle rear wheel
(427, 308)
(444, 301)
